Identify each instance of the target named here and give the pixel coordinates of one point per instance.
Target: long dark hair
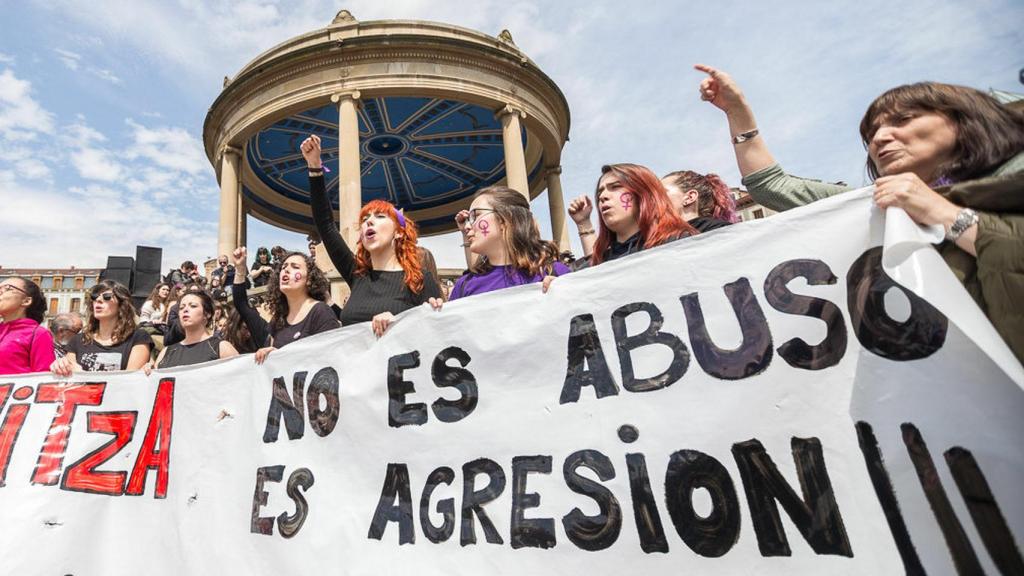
(124, 325)
(237, 333)
(37, 307)
(987, 132)
(155, 298)
(317, 287)
(524, 247)
(658, 220)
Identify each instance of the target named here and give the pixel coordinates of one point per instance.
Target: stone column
(229, 190)
(556, 204)
(515, 156)
(242, 228)
(350, 196)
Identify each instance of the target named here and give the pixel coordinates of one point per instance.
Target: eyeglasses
(475, 214)
(5, 288)
(106, 296)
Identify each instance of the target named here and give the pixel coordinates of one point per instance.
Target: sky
(102, 103)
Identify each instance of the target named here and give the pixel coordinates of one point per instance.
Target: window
(76, 305)
(58, 282)
(53, 306)
(759, 213)
(38, 280)
(79, 282)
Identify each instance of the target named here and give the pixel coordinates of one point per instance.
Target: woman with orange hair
(385, 274)
(635, 211)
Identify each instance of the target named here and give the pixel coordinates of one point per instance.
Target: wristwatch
(744, 136)
(964, 220)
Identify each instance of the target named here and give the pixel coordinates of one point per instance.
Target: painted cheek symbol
(627, 200)
(484, 227)
(298, 276)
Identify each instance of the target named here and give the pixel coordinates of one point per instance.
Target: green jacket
(995, 279)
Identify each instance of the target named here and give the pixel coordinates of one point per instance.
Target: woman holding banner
(297, 297)
(945, 154)
(499, 227)
(195, 311)
(635, 214)
(111, 340)
(25, 346)
(385, 275)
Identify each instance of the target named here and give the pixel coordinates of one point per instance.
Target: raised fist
(310, 148)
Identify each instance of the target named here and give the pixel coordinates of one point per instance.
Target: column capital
(337, 97)
(510, 108)
(552, 170)
(229, 149)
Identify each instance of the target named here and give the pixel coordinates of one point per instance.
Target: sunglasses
(106, 296)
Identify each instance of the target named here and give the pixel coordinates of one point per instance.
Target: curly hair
(317, 286)
(659, 223)
(237, 333)
(405, 246)
(524, 247)
(987, 132)
(125, 324)
(714, 199)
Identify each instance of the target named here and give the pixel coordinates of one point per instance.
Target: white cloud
(104, 74)
(167, 147)
(72, 60)
(6, 58)
(21, 116)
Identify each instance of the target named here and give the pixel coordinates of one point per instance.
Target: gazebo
(421, 114)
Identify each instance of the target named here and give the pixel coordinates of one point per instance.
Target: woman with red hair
(385, 274)
(703, 200)
(635, 211)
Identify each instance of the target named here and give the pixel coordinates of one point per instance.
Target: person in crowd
(195, 311)
(183, 274)
(500, 230)
(64, 326)
(948, 155)
(429, 266)
(256, 327)
(154, 309)
(219, 273)
(703, 200)
(635, 214)
(385, 275)
(262, 268)
(278, 254)
(173, 332)
(236, 331)
(25, 346)
(110, 340)
(297, 298)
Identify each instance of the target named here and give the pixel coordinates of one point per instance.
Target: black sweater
(373, 292)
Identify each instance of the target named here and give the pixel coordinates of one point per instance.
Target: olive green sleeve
(776, 190)
(1000, 248)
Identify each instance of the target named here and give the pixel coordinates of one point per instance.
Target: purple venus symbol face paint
(298, 276)
(484, 227)
(627, 200)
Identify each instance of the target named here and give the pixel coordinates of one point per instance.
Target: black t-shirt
(319, 319)
(182, 354)
(95, 357)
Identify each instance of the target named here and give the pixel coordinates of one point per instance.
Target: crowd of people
(947, 155)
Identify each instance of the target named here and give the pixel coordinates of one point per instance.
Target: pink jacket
(25, 347)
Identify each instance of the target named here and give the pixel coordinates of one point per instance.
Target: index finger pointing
(707, 70)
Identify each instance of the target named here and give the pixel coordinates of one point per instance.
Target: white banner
(762, 399)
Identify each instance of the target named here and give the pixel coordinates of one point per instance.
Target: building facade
(64, 289)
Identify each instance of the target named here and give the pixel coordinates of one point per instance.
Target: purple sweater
(25, 347)
(499, 277)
